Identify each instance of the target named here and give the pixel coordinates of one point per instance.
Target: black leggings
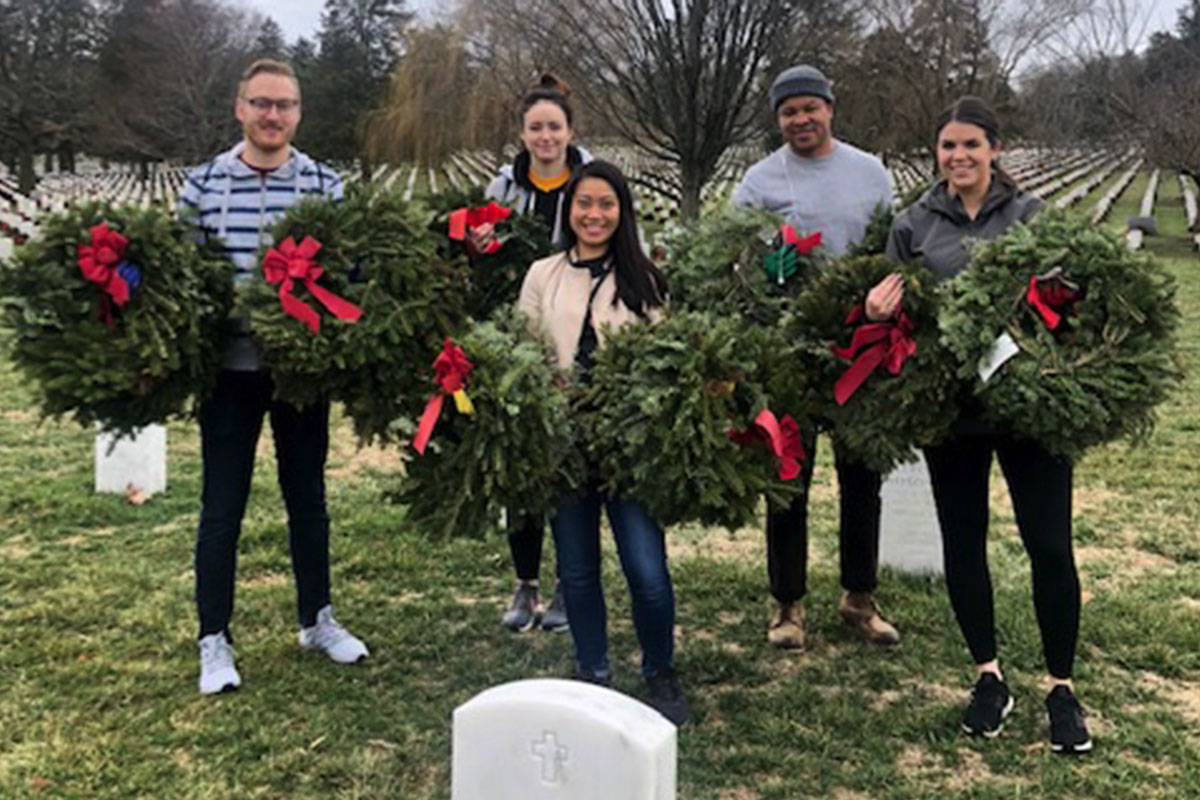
(1040, 486)
(525, 543)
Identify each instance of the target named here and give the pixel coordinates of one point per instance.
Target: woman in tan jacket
(601, 282)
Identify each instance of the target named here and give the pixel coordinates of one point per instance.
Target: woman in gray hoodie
(975, 199)
(534, 184)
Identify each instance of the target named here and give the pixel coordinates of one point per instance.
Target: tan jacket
(554, 298)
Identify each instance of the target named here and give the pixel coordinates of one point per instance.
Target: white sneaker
(217, 672)
(332, 639)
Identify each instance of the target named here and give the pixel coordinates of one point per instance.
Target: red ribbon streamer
(781, 436)
(98, 263)
(292, 262)
(892, 345)
(463, 219)
(450, 370)
(1047, 297)
(804, 245)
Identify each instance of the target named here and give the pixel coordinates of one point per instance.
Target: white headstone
(561, 740)
(910, 539)
(139, 461)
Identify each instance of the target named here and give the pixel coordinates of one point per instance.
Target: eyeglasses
(264, 104)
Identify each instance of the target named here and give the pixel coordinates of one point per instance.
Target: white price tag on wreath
(1002, 350)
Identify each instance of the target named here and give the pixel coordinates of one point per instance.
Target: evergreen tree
(359, 43)
(270, 42)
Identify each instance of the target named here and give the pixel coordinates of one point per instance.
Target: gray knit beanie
(800, 80)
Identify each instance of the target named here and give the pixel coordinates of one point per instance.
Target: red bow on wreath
(292, 262)
(889, 343)
(781, 436)
(98, 262)
(1050, 294)
(463, 219)
(450, 370)
(804, 245)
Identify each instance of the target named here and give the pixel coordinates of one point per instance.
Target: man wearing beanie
(819, 183)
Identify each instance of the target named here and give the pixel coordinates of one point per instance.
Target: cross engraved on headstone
(548, 739)
(552, 755)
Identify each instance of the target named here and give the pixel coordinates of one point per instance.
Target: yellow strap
(463, 403)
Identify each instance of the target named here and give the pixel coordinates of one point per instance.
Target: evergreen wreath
(729, 264)
(117, 315)
(1094, 323)
(879, 420)
(493, 277)
(662, 404)
(737, 261)
(875, 238)
(377, 254)
(516, 448)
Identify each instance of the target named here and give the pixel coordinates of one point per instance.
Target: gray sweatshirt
(834, 194)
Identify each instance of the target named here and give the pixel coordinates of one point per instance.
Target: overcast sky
(303, 17)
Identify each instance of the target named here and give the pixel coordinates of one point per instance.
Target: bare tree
(681, 80)
(169, 71)
(47, 53)
(919, 55)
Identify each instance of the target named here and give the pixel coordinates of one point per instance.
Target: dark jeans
(858, 531)
(230, 422)
(642, 548)
(1040, 486)
(525, 543)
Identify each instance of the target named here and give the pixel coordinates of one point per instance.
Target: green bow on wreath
(782, 261)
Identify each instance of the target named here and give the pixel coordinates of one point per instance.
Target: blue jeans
(642, 548)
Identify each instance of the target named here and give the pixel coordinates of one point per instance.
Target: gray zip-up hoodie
(512, 187)
(937, 231)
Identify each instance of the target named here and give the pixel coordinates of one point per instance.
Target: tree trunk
(26, 177)
(692, 181)
(48, 162)
(66, 158)
(143, 170)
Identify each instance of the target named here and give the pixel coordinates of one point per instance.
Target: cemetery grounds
(98, 659)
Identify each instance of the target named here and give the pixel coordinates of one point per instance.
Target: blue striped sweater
(229, 200)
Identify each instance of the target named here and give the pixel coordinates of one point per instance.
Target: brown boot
(859, 611)
(787, 627)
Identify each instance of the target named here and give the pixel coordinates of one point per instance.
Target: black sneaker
(1068, 733)
(990, 704)
(555, 618)
(667, 698)
(602, 679)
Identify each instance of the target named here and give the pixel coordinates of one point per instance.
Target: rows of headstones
(1042, 171)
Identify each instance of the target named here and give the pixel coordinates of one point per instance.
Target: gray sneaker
(327, 636)
(217, 672)
(555, 618)
(522, 613)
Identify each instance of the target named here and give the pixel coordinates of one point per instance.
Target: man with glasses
(237, 198)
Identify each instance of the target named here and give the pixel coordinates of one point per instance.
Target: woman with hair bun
(976, 199)
(533, 184)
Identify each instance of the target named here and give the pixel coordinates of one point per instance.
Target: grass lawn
(98, 660)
